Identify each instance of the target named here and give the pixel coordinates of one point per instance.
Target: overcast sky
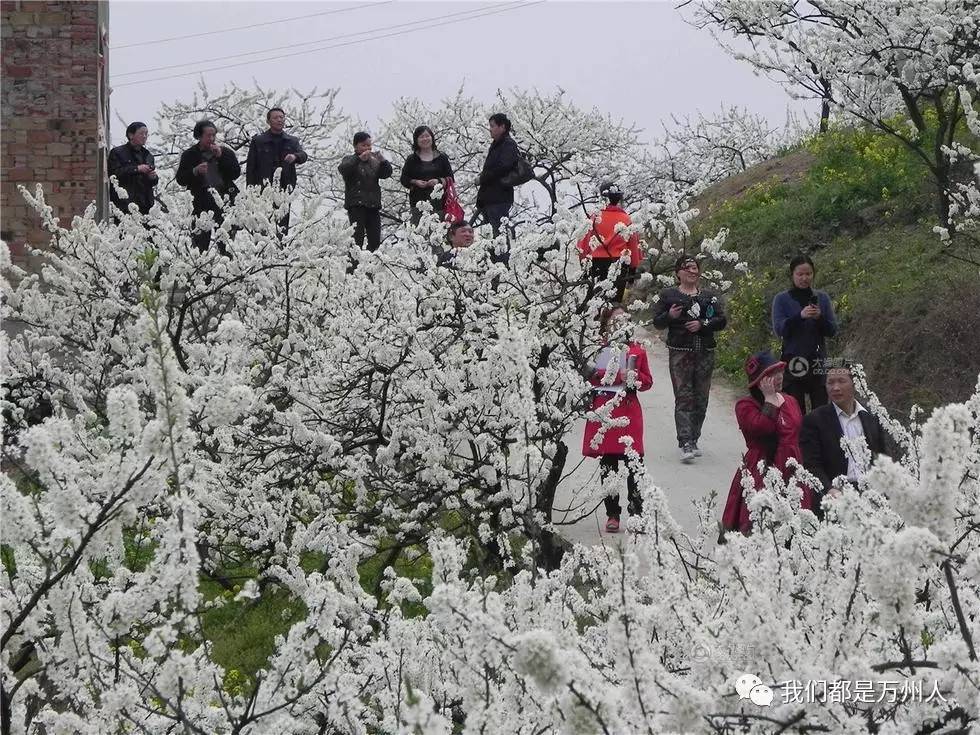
(637, 60)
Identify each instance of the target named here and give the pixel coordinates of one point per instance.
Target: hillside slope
(860, 206)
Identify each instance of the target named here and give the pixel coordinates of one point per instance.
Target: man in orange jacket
(606, 241)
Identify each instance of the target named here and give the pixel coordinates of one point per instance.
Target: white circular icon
(798, 367)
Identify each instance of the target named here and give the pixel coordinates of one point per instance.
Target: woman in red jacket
(618, 389)
(770, 422)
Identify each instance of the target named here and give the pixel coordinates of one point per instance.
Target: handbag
(451, 208)
(522, 172)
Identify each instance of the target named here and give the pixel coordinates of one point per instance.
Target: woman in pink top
(605, 441)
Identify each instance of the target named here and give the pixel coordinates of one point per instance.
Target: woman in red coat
(770, 422)
(608, 388)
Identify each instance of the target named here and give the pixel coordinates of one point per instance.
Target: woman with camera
(691, 315)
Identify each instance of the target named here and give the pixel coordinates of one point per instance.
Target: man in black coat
(362, 172)
(205, 166)
(274, 149)
(132, 165)
(494, 198)
(825, 427)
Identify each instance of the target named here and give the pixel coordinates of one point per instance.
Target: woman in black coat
(425, 167)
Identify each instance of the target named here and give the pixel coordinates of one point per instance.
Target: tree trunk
(551, 547)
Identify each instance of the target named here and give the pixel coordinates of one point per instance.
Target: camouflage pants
(690, 375)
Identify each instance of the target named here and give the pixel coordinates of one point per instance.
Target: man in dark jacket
(494, 198)
(207, 166)
(132, 165)
(362, 172)
(824, 428)
(274, 149)
(691, 317)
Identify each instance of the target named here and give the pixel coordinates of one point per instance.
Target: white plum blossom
(284, 416)
(907, 69)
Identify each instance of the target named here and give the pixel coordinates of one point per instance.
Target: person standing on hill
(206, 166)
(691, 315)
(271, 150)
(608, 238)
(803, 318)
(425, 167)
(132, 165)
(362, 172)
(495, 197)
(274, 149)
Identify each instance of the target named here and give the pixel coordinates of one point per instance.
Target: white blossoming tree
(228, 431)
(704, 149)
(909, 69)
(240, 114)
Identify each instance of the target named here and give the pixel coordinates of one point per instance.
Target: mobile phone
(814, 301)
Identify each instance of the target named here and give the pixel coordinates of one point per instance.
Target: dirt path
(721, 442)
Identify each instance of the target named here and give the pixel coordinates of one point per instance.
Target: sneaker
(612, 525)
(696, 449)
(687, 454)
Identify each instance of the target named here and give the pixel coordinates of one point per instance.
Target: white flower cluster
(906, 68)
(285, 416)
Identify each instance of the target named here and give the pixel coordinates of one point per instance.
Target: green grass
(242, 633)
(852, 171)
(864, 212)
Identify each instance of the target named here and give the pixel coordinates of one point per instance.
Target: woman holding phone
(770, 422)
(620, 370)
(803, 318)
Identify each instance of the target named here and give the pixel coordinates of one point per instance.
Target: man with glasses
(691, 315)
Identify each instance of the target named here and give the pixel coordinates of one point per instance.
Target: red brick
(40, 136)
(21, 173)
(18, 72)
(59, 149)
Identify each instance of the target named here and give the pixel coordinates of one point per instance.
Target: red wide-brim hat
(760, 365)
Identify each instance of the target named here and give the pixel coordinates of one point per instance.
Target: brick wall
(49, 112)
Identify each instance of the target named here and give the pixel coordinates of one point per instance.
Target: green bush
(749, 329)
(853, 170)
(863, 210)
